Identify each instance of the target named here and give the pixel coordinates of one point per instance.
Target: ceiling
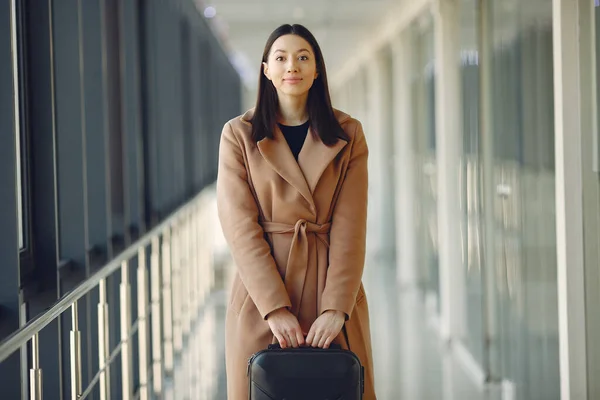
(340, 26)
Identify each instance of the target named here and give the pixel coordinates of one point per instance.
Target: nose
(291, 67)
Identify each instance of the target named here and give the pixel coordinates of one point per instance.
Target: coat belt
(297, 263)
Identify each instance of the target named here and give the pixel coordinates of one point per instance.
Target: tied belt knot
(297, 263)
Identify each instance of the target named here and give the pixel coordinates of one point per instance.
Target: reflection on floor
(410, 362)
(204, 359)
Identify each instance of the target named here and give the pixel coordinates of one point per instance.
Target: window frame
(21, 131)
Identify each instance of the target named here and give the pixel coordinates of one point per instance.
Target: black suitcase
(305, 373)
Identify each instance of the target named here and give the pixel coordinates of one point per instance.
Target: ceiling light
(210, 12)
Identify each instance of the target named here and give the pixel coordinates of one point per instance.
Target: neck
(292, 110)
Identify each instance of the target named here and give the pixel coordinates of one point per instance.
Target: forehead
(290, 44)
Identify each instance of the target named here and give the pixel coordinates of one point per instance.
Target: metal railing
(173, 283)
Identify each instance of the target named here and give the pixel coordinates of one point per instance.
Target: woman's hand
(325, 329)
(286, 328)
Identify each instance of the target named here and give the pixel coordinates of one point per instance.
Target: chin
(296, 92)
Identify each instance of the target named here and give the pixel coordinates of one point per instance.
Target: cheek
(310, 80)
(275, 72)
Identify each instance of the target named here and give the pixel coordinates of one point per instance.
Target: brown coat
(302, 247)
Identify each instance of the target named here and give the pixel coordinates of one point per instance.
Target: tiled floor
(410, 362)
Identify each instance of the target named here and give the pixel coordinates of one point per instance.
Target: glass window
(19, 142)
(591, 209)
(423, 103)
(114, 121)
(522, 265)
(19, 190)
(470, 202)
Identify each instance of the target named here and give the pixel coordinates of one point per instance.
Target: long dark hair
(320, 112)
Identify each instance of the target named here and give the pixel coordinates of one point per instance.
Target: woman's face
(291, 66)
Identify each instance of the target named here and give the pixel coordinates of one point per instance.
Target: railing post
(103, 341)
(142, 298)
(35, 374)
(185, 294)
(185, 279)
(190, 367)
(176, 296)
(202, 255)
(75, 353)
(167, 302)
(195, 296)
(194, 289)
(200, 258)
(126, 364)
(157, 362)
(199, 296)
(176, 284)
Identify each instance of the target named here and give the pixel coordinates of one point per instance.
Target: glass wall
(590, 158)
(470, 200)
(423, 112)
(93, 146)
(520, 165)
(20, 127)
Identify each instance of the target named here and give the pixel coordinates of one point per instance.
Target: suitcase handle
(332, 346)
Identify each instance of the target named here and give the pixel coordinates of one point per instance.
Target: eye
(303, 58)
(279, 58)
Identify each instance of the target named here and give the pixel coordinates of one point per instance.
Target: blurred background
(483, 264)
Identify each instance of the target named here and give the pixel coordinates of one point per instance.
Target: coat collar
(314, 158)
(340, 115)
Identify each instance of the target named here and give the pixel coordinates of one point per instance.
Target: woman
(292, 200)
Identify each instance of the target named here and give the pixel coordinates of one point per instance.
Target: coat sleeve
(348, 233)
(238, 213)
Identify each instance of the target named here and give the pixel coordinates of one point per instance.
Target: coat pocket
(239, 294)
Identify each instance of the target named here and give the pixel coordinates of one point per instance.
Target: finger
(300, 337)
(322, 341)
(310, 337)
(281, 340)
(286, 340)
(328, 342)
(293, 339)
(317, 339)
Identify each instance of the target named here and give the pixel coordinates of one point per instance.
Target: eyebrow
(283, 51)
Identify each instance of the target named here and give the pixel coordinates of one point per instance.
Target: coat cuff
(344, 304)
(267, 307)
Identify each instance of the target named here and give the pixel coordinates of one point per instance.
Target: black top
(295, 136)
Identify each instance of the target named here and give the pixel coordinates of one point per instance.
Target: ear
(266, 70)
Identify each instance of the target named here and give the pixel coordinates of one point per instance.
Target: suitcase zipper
(249, 364)
(252, 357)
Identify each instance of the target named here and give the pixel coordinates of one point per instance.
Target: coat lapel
(315, 156)
(313, 159)
(277, 153)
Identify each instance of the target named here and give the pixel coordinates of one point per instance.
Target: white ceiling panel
(339, 26)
